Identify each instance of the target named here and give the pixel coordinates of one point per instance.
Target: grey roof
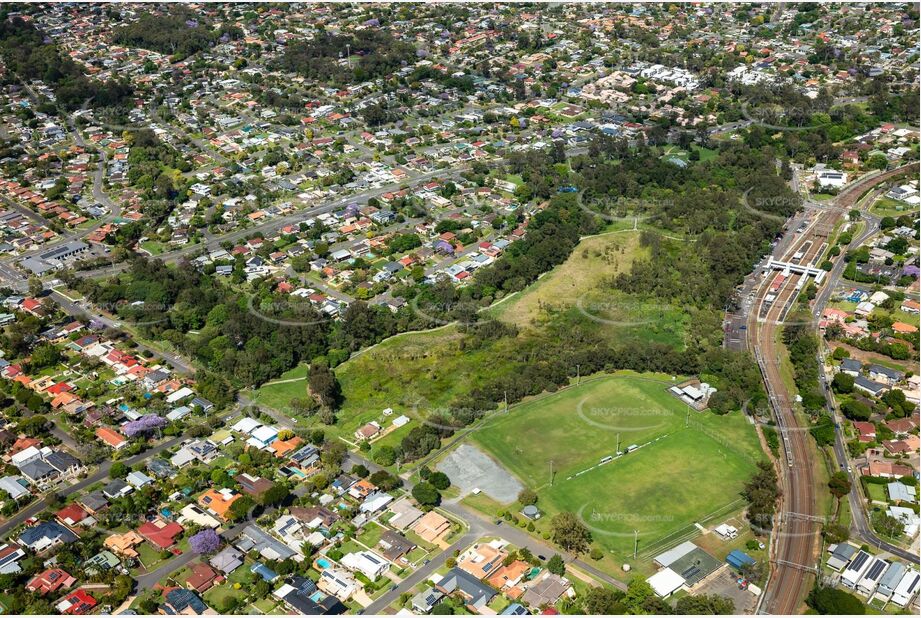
(427, 599)
(869, 385)
(851, 364)
(64, 250)
(267, 545)
(47, 530)
(115, 488)
(94, 500)
(892, 374)
(477, 592)
(900, 491)
(892, 577)
(37, 470)
(227, 560)
(63, 461)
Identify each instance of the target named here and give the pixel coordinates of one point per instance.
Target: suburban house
(432, 527)
(367, 563)
(227, 560)
(160, 533)
(475, 593)
(253, 485)
(111, 438)
(124, 544)
(47, 534)
(483, 559)
(218, 502)
(50, 581)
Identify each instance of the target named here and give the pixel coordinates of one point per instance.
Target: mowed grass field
(579, 425)
(680, 475)
(658, 490)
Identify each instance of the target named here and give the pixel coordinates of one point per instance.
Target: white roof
(665, 582)
(182, 393)
(667, 558)
(246, 425)
(375, 503)
(907, 587)
(265, 433)
(400, 420)
(25, 455)
(10, 485)
(138, 479)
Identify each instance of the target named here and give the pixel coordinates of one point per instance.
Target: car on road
(498, 522)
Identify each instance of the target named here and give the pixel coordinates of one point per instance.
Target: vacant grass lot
(418, 373)
(579, 294)
(594, 260)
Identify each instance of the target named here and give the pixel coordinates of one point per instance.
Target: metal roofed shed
(667, 558)
(666, 582)
(841, 554)
(738, 559)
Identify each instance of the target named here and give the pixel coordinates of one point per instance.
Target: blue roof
(264, 572)
(739, 558)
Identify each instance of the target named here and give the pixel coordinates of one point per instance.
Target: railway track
(795, 542)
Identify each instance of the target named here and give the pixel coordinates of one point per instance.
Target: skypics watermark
(294, 311)
(620, 208)
(138, 313)
(802, 116)
(622, 312)
(611, 418)
(463, 313)
(766, 207)
(600, 522)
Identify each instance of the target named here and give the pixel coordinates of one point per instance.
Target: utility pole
(617, 450)
(578, 374)
(348, 55)
(551, 473)
(635, 543)
(687, 420)
(505, 397)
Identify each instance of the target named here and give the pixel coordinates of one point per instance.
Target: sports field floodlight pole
(551, 473)
(635, 543)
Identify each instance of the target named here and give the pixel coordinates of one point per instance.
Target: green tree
(118, 470)
(439, 480)
(570, 533)
(527, 497)
(556, 565)
(601, 601)
(831, 601)
(839, 484)
(426, 494)
(704, 604)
